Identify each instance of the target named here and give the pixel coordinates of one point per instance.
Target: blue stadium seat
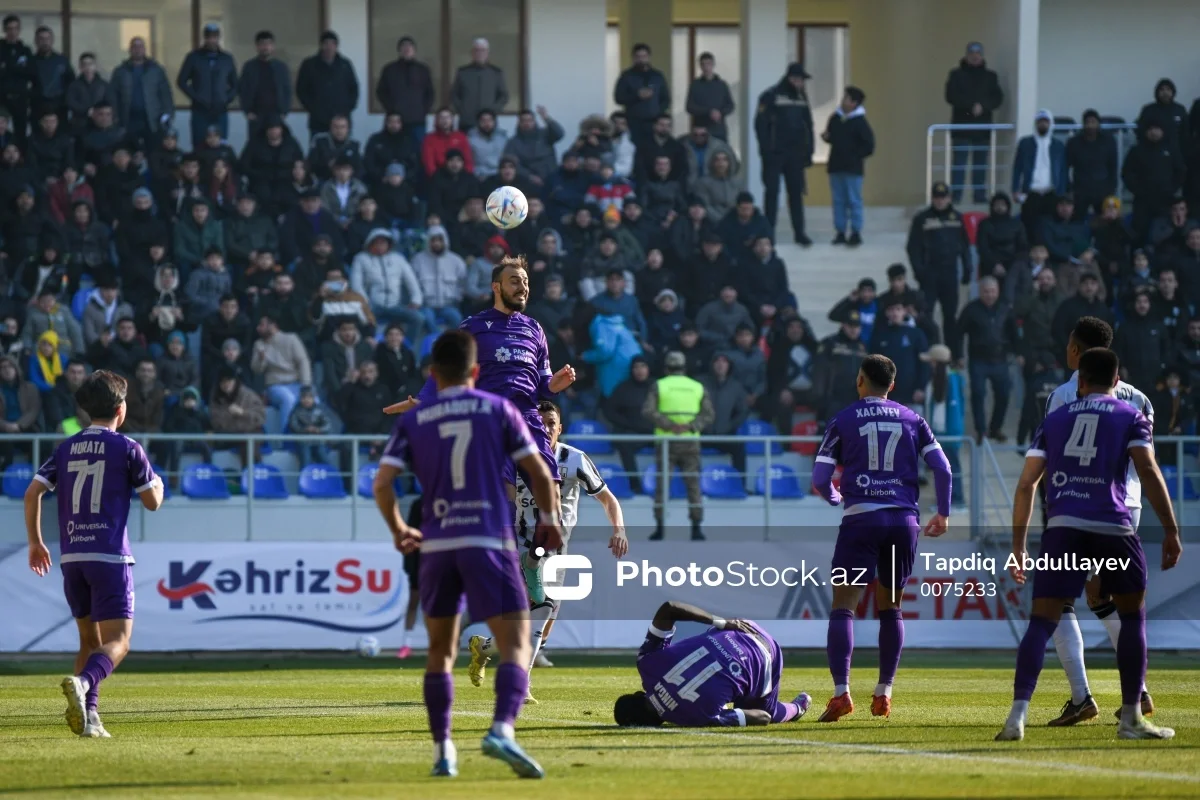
(366, 481)
(675, 491)
(722, 483)
(591, 427)
(204, 482)
(321, 482)
(785, 485)
(756, 427)
(16, 480)
(268, 482)
(1171, 477)
(618, 482)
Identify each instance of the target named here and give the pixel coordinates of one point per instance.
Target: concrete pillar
(565, 47)
(648, 22)
(349, 19)
(764, 61)
(1025, 104)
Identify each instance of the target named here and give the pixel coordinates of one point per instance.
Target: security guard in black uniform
(784, 125)
(939, 252)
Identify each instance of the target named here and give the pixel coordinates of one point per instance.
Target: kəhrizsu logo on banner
(346, 597)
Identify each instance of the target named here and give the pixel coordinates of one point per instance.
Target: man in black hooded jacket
(1092, 161)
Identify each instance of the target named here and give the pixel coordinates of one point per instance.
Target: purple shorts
(98, 589)
(1058, 543)
(484, 582)
(542, 440)
(883, 541)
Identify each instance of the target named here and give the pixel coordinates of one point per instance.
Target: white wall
(1108, 54)
(566, 58)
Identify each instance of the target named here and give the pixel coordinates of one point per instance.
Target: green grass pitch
(343, 727)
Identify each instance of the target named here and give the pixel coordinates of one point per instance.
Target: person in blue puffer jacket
(945, 411)
(613, 349)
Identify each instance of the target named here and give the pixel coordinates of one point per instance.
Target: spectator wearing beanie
(851, 142)
(1092, 162)
(1153, 172)
(1169, 115)
(863, 303)
(1001, 239)
(391, 144)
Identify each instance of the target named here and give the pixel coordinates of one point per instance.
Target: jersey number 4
(690, 690)
(1081, 443)
(82, 471)
(871, 430)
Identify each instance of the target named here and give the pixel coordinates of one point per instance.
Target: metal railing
(1002, 141)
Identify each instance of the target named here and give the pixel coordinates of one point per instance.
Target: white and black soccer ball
(507, 207)
(368, 647)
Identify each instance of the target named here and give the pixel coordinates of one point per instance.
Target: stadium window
(34, 14)
(724, 41)
(296, 25)
(105, 27)
(444, 31)
(825, 52)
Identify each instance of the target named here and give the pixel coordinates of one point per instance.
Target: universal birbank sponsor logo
(339, 595)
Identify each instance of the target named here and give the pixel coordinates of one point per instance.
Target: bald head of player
(102, 396)
(1098, 371)
(510, 284)
(552, 420)
(453, 360)
(1088, 333)
(876, 377)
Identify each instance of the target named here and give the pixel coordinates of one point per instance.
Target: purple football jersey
(455, 445)
(514, 358)
(689, 683)
(1086, 446)
(95, 473)
(880, 444)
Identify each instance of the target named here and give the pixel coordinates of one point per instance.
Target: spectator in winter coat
(228, 322)
(863, 303)
(248, 233)
(437, 145)
(397, 197)
(709, 99)
(763, 284)
(405, 89)
(1065, 239)
(684, 236)
(20, 405)
(508, 175)
(309, 418)
(617, 300)
(235, 408)
(282, 361)
(47, 314)
(748, 363)
(63, 414)
(662, 143)
(1039, 173)
(487, 144)
(906, 346)
(1021, 278)
(50, 148)
(478, 86)
(209, 79)
(644, 93)
(287, 307)
(103, 308)
(450, 186)
(1085, 303)
(70, 188)
(326, 85)
(624, 153)
(654, 277)
(851, 142)
(164, 159)
(115, 184)
(1170, 305)
(120, 353)
(698, 148)
(973, 93)
(47, 269)
(213, 147)
(139, 266)
(719, 319)
(84, 93)
(442, 275)
(209, 283)
(720, 185)
(361, 224)
(343, 356)
(183, 186)
(567, 188)
(87, 241)
(145, 402)
(1000, 240)
(703, 277)
(397, 365)
(533, 147)
(790, 365)
(613, 349)
(1153, 172)
(662, 195)
(101, 138)
(1092, 162)
(196, 234)
(605, 258)
(335, 301)
(664, 322)
(46, 364)
(1171, 116)
(783, 126)
(222, 189)
(741, 227)
(554, 306)
(609, 191)
(1168, 234)
(392, 144)
(387, 280)
(265, 86)
(304, 225)
(340, 195)
(623, 409)
(267, 161)
(940, 254)
(1142, 343)
(168, 310)
(335, 145)
(150, 114)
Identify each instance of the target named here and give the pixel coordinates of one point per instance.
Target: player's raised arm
(1155, 490)
(39, 554)
(1031, 475)
(672, 611)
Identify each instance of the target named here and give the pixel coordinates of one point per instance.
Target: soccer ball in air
(507, 207)
(368, 647)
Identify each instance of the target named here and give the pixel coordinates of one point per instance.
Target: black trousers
(792, 170)
(942, 289)
(18, 109)
(628, 453)
(1036, 208)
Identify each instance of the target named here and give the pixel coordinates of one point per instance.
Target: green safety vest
(679, 399)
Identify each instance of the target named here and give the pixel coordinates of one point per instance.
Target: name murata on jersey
(291, 590)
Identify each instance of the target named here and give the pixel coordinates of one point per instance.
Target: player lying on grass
(690, 683)
(454, 445)
(95, 472)
(880, 444)
(1086, 447)
(1092, 332)
(577, 473)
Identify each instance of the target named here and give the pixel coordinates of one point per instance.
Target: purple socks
(97, 668)
(439, 696)
(1131, 656)
(891, 642)
(512, 684)
(92, 697)
(839, 645)
(1032, 654)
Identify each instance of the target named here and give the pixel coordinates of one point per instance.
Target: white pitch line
(890, 751)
